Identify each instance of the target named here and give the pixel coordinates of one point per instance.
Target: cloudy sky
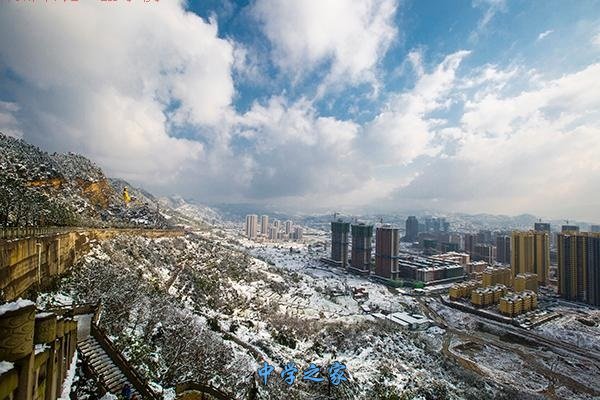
(474, 106)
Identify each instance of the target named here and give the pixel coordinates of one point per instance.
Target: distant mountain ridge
(189, 209)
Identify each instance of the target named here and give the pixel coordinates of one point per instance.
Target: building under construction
(339, 242)
(579, 266)
(360, 260)
(386, 252)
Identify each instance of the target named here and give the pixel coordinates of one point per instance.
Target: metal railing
(117, 358)
(22, 232)
(7, 233)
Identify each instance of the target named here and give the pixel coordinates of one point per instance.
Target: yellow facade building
(486, 296)
(496, 276)
(526, 281)
(530, 253)
(514, 304)
(462, 290)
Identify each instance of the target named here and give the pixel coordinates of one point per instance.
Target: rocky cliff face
(37, 188)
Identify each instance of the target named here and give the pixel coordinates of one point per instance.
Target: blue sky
(472, 106)
(436, 28)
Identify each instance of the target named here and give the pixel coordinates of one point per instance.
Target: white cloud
(112, 82)
(495, 115)
(119, 84)
(535, 151)
(596, 40)
(491, 8)
(544, 34)
(9, 125)
(294, 151)
(403, 131)
(352, 36)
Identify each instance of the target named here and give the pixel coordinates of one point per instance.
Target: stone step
(109, 374)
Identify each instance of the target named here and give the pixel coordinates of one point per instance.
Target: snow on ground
(578, 327)
(68, 382)
(5, 366)
(264, 303)
(501, 365)
(15, 305)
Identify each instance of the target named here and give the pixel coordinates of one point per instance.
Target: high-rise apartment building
(428, 224)
(569, 228)
(503, 249)
(579, 266)
(521, 255)
(484, 236)
(485, 252)
(412, 229)
(339, 241)
(545, 227)
(251, 226)
(572, 257)
(386, 252)
(273, 231)
(264, 224)
(541, 227)
(530, 253)
(435, 225)
(595, 228)
(593, 269)
(298, 233)
(288, 227)
(541, 256)
(469, 242)
(361, 248)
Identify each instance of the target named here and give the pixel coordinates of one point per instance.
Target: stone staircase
(109, 374)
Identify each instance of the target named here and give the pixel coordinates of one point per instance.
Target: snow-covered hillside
(192, 211)
(37, 188)
(196, 308)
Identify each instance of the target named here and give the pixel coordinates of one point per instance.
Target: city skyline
(484, 106)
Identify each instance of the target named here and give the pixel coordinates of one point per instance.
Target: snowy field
(576, 326)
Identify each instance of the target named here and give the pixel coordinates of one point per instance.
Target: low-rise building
(514, 304)
(429, 270)
(526, 281)
(463, 289)
(453, 257)
(496, 276)
(486, 296)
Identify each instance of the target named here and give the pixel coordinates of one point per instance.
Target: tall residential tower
(503, 249)
(339, 241)
(579, 266)
(412, 229)
(361, 248)
(530, 253)
(264, 224)
(251, 226)
(386, 252)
